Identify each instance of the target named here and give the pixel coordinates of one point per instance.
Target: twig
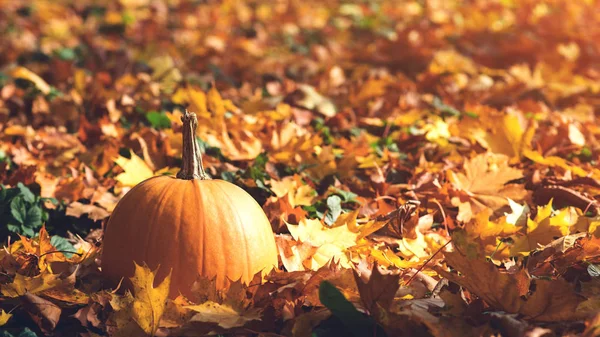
(426, 262)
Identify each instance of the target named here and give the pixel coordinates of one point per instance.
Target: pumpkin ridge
(240, 224)
(163, 198)
(178, 234)
(198, 200)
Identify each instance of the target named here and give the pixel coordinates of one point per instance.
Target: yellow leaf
(450, 61)
(136, 170)
(4, 317)
(226, 316)
(21, 72)
(297, 193)
(149, 302)
(120, 322)
(331, 243)
(215, 102)
(546, 226)
(166, 72)
(23, 284)
(437, 132)
(371, 89)
(554, 161)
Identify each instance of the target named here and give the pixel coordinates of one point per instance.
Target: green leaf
(33, 218)
(18, 210)
(334, 204)
(27, 333)
(158, 120)
(444, 108)
(63, 245)
(347, 196)
(66, 54)
(27, 231)
(340, 307)
(14, 228)
(26, 193)
(3, 194)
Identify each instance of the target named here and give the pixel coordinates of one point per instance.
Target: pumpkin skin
(190, 225)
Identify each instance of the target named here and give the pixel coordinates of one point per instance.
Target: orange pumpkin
(190, 224)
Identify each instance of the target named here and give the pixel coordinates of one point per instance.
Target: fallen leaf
(149, 302)
(4, 317)
(136, 170)
(223, 314)
(549, 300)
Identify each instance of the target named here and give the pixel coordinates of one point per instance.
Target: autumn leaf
(223, 314)
(34, 285)
(549, 300)
(4, 317)
(149, 301)
(485, 183)
(21, 72)
(136, 170)
(544, 228)
(329, 243)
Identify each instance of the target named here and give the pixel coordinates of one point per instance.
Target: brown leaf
(43, 312)
(376, 286)
(548, 300)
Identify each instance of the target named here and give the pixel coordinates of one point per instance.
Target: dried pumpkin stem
(191, 167)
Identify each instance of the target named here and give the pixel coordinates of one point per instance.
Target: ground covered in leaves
(429, 168)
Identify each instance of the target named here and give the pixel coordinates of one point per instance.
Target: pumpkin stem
(191, 166)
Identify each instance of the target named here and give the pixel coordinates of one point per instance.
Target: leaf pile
(429, 168)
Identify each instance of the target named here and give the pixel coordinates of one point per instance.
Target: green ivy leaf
(63, 245)
(33, 218)
(14, 228)
(26, 193)
(18, 210)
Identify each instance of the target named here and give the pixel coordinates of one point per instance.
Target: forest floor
(428, 167)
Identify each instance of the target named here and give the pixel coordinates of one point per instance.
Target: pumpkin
(189, 225)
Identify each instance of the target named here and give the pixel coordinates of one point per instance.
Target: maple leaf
(549, 300)
(136, 170)
(484, 183)
(121, 323)
(149, 302)
(554, 161)
(226, 316)
(33, 285)
(298, 194)
(376, 286)
(330, 243)
(95, 213)
(4, 317)
(544, 228)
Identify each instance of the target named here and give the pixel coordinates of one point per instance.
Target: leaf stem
(191, 166)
